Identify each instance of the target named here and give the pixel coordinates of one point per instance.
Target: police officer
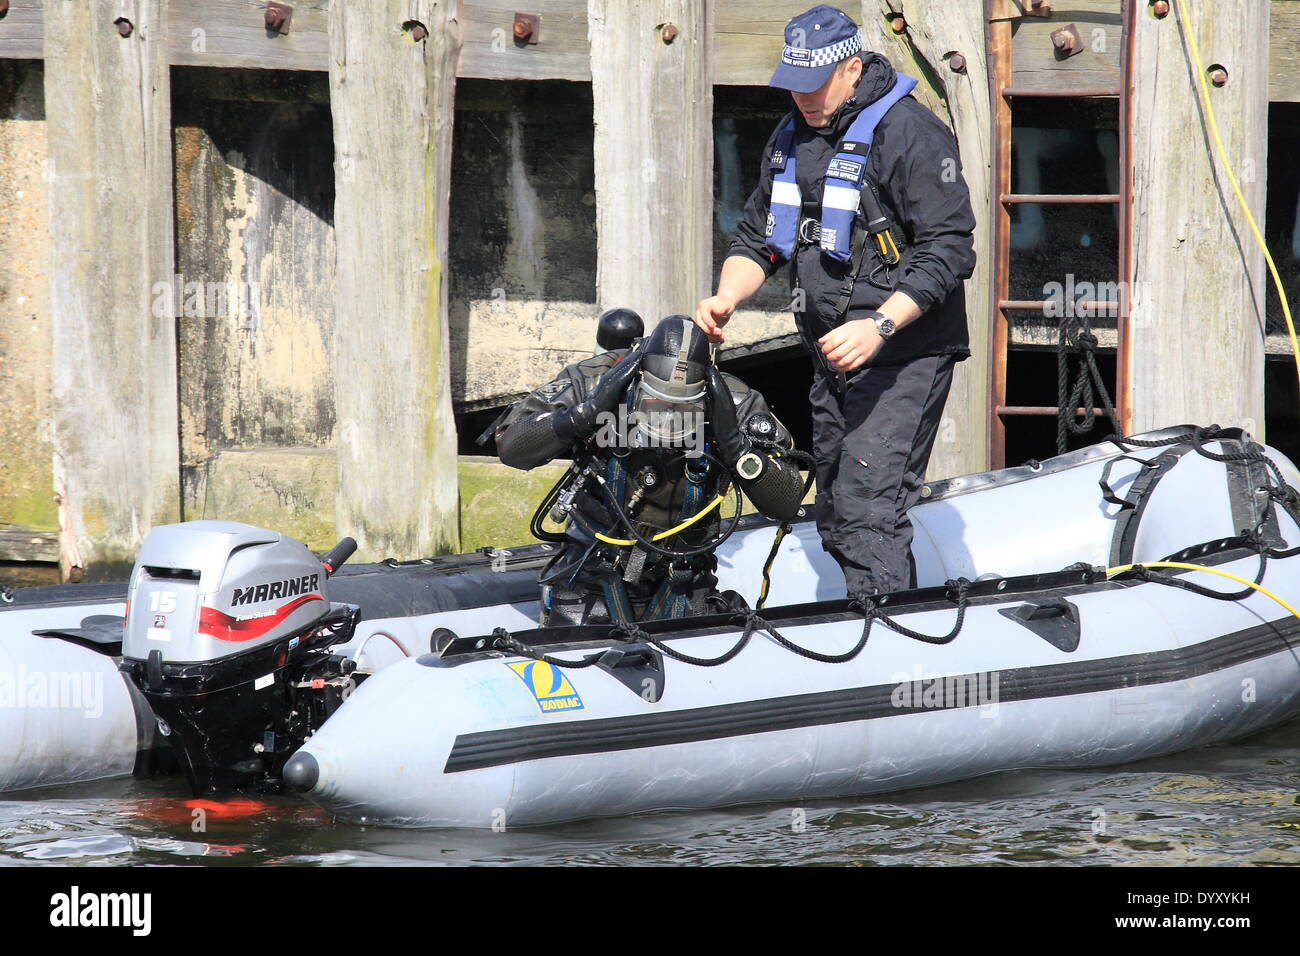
(861, 192)
(657, 435)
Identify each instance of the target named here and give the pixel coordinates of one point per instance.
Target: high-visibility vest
(844, 180)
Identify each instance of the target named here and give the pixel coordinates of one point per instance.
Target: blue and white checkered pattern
(822, 56)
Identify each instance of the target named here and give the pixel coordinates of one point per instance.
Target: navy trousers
(872, 447)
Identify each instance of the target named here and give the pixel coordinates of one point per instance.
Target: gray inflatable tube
(1054, 665)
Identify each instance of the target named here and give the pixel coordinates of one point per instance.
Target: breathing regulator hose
(576, 473)
(784, 528)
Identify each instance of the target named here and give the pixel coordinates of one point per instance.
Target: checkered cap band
(822, 56)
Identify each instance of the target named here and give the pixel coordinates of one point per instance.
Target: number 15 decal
(163, 602)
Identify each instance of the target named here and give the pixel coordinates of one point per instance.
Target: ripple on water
(1226, 805)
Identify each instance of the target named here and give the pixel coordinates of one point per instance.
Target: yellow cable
(1232, 178)
(1199, 567)
(628, 542)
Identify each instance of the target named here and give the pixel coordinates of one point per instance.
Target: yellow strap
(1199, 567)
(628, 542)
(1232, 178)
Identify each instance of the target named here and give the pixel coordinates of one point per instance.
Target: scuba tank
(228, 636)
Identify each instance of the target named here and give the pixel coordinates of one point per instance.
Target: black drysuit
(872, 444)
(578, 583)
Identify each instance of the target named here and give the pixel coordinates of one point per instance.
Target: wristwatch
(884, 324)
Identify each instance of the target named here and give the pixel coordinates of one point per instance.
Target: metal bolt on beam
(1067, 41)
(1218, 74)
(416, 29)
(124, 26)
(526, 26)
(669, 32)
(278, 16)
(897, 24)
(956, 62)
(1160, 8)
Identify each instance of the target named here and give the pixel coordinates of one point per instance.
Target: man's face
(819, 106)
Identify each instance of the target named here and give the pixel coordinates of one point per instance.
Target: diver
(659, 439)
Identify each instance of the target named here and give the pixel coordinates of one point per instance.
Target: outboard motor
(228, 635)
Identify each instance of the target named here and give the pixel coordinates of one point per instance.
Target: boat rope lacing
(1140, 570)
(1278, 490)
(753, 623)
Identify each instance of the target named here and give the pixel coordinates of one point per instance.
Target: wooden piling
(108, 109)
(651, 81)
(391, 99)
(1198, 303)
(938, 32)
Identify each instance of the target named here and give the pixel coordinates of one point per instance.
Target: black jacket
(917, 172)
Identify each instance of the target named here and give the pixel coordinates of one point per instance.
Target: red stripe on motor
(223, 627)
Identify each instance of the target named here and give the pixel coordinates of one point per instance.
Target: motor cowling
(228, 635)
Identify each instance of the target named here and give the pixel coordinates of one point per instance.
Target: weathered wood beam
(23, 545)
(391, 98)
(22, 32)
(108, 106)
(653, 103)
(1036, 64)
(1198, 303)
(938, 31)
(492, 52)
(747, 38)
(233, 33)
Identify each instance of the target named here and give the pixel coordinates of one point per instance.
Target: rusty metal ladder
(1003, 94)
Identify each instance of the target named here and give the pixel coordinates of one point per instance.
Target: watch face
(885, 327)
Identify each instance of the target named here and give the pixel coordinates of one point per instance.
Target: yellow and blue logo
(550, 686)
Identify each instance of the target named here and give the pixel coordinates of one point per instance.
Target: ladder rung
(1043, 410)
(1060, 94)
(1034, 305)
(1060, 198)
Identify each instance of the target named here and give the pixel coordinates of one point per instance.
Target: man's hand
(579, 422)
(712, 314)
(850, 345)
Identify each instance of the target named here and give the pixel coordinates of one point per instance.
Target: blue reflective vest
(844, 179)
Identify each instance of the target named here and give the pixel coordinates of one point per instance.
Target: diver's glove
(578, 422)
(730, 442)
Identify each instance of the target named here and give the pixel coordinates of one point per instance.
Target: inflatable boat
(1122, 601)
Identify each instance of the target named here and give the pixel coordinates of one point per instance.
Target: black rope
(634, 632)
(1076, 339)
(962, 586)
(869, 616)
(1150, 574)
(1278, 490)
(505, 641)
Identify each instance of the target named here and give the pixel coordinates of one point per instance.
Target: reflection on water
(1229, 804)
